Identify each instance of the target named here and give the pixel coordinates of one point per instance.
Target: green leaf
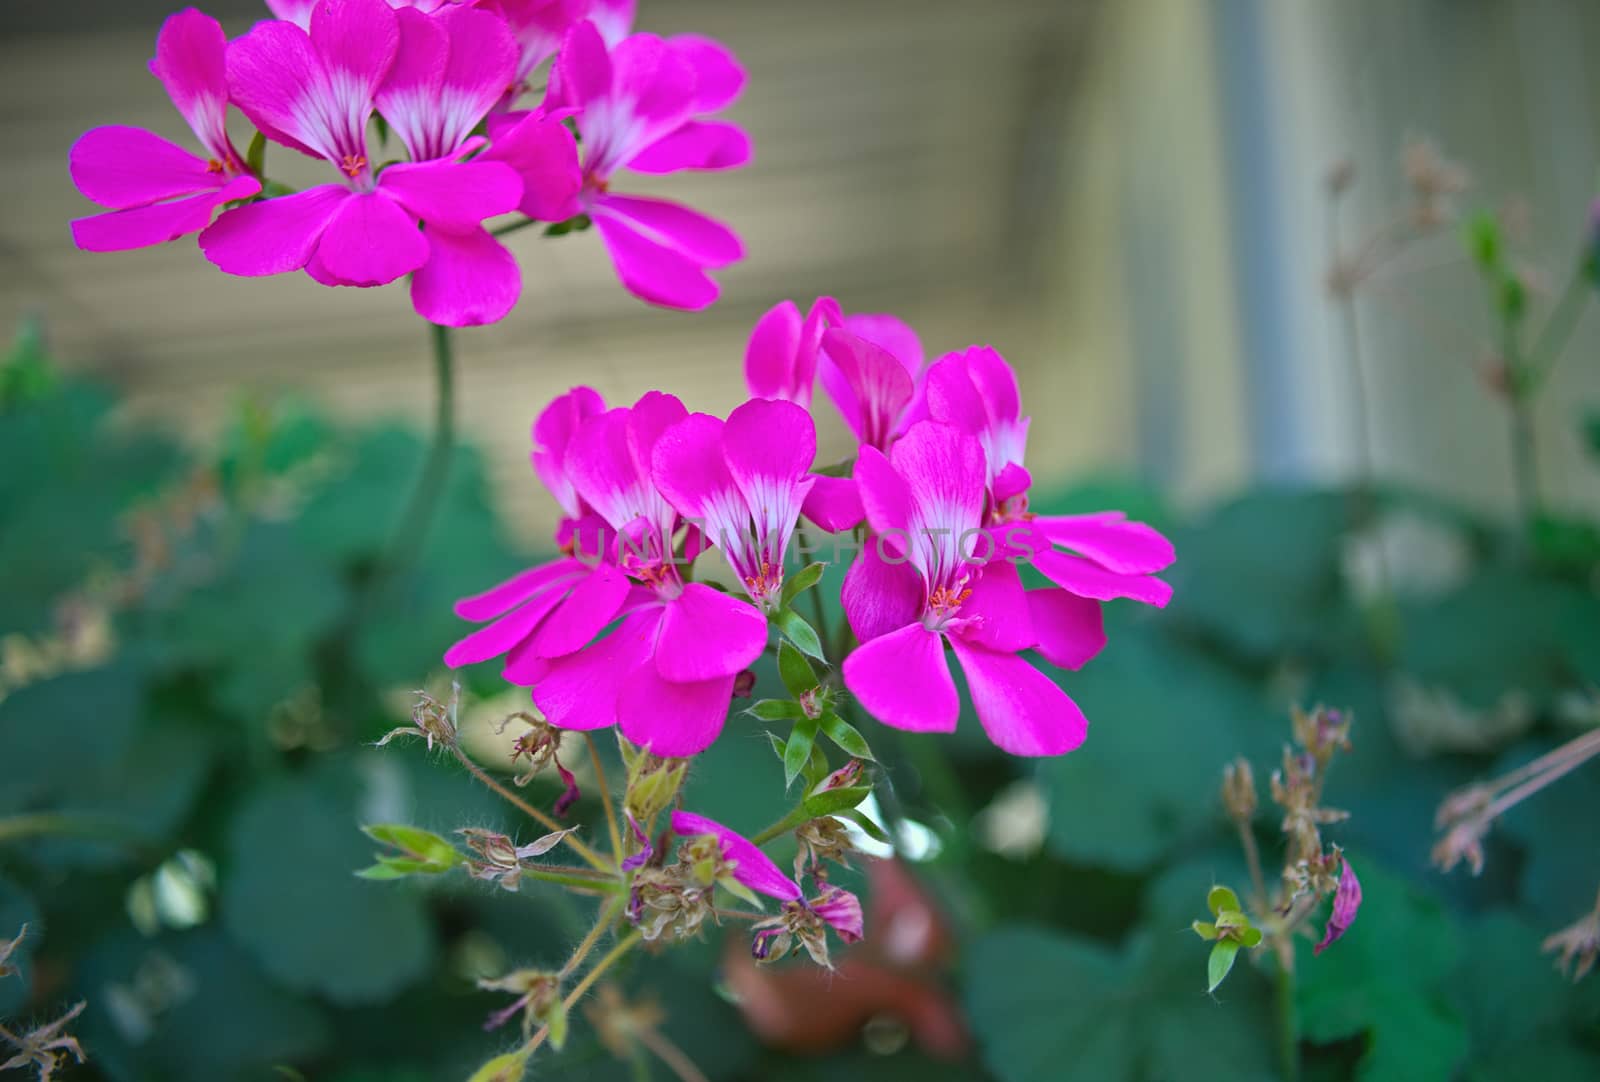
(1400, 954)
(290, 898)
(431, 852)
(1222, 898)
(800, 582)
(797, 752)
(1040, 999)
(864, 821)
(1204, 929)
(256, 156)
(776, 710)
(1220, 964)
(835, 800)
(798, 675)
(510, 1067)
(847, 737)
(802, 634)
(1480, 236)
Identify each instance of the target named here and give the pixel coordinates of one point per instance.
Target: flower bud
(653, 784)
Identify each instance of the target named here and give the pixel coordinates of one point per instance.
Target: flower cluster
(447, 79)
(619, 631)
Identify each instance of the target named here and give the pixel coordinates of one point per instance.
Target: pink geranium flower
(158, 190)
(316, 92)
(1091, 558)
(744, 481)
(628, 100)
(930, 575)
(299, 11)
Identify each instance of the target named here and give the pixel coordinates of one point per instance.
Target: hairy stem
(1252, 856)
(622, 947)
(1288, 1023)
(589, 856)
(602, 924)
(605, 797)
(670, 1054)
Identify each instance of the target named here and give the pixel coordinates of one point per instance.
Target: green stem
(1288, 1024)
(573, 877)
(513, 227)
(1524, 458)
(408, 540)
(622, 947)
(1557, 330)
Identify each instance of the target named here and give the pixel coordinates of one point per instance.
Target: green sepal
(255, 158)
(798, 675)
(847, 737)
(1222, 898)
(776, 710)
(1220, 963)
(800, 582)
(797, 752)
(802, 634)
(870, 828)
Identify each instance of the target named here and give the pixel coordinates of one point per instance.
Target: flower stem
(579, 879)
(1288, 1022)
(622, 947)
(590, 857)
(1557, 330)
(608, 914)
(424, 502)
(605, 797)
(513, 227)
(670, 1054)
(1252, 856)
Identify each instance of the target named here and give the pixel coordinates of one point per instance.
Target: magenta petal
(1088, 579)
(1113, 542)
(902, 680)
(752, 867)
(120, 167)
(698, 144)
(1021, 709)
(371, 241)
(274, 235)
(454, 195)
(357, 40)
(881, 593)
(671, 719)
(769, 446)
(584, 65)
(580, 690)
(885, 496)
(294, 11)
(1012, 480)
(688, 467)
(1346, 903)
(545, 155)
(1070, 629)
(718, 75)
(552, 433)
(651, 270)
(594, 603)
(707, 634)
(946, 470)
(834, 503)
(771, 354)
(998, 609)
(842, 912)
(469, 279)
(506, 632)
(891, 334)
(700, 237)
(272, 70)
(140, 227)
(517, 589)
(870, 387)
(189, 63)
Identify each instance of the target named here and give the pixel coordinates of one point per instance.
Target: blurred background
(1132, 202)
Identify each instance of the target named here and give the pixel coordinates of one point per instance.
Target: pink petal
(998, 608)
(508, 631)
(602, 467)
(584, 65)
(519, 588)
(705, 240)
(688, 467)
(1070, 629)
(769, 447)
(885, 495)
(294, 11)
(581, 690)
(274, 235)
(1128, 548)
(483, 63)
(902, 680)
(1011, 481)
(672, 719)
(945, 470)
(140, 227)
(1346, 903)
(890, 334)
(189, 63)
(469, 279)
(842, 912)
(870, 387)
(613, 18)
(1088, 579)
(752, 867)
(952, 396)
(771, 358)
(697, 144)
(371, 240)
(650, 270)
(880, 594)
(718, 76)
(410, 97)
(834, 503)
(552, 433)
(594, 603)
(1021, 709)
(651, 95)
(544, 154)
(121, 167)
(707, 634)
(454, 195)
(357, 40)
(272, 70)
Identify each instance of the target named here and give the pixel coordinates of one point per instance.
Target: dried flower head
(431, 719)
(1239, 790)
(1578, 945)
(46, 1048)
(8, 949)
(1434, 181)
(540, 745)
(538, 994)
(824, 839)
(501, 860)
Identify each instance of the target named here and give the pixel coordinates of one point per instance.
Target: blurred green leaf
(1040, 1000)
(1388, 979)
(1560, 866)
(1220, 963)
(290, 897)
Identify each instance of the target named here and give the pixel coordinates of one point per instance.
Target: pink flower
(1346, 902)
(756, 871)
(539, 25)
(316, 92)
(930, 575)
(299, 11)
(632, 102)
(158, 190)
(1105, 556)
(743, 481)
(668, 652)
